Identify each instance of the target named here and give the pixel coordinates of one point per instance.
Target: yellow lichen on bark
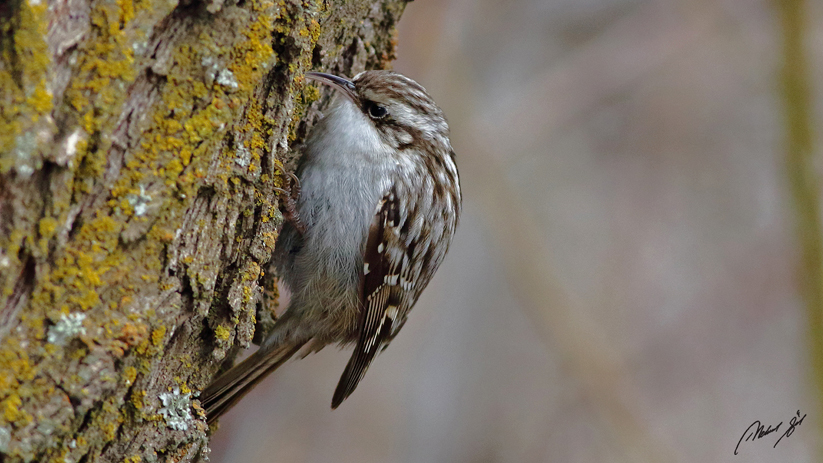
(24, 95)
(151, 206)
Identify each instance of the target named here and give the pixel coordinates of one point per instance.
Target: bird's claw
(289, 202)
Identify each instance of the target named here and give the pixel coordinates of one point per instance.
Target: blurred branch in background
(623, 55)
(558, 317)
(805, 188)
(562, 322)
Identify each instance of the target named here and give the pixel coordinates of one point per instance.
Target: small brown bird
(379, 204)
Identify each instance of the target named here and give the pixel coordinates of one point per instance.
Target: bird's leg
(290, 196)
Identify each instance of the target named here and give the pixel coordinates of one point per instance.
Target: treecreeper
(378, 205)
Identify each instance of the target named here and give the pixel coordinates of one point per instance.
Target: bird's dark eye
(376, 111)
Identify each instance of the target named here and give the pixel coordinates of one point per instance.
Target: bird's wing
(384, 288)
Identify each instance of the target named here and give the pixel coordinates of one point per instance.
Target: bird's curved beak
(344, 86)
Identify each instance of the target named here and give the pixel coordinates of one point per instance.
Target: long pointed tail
(232, 385)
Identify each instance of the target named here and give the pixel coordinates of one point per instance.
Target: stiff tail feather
(354, 372)
(232, 385)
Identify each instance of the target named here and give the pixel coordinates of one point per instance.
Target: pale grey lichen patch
(214, 6)
(226, 78)
(5, 438)
(69, 151)
(67, 328)
(45, 428)
(25, 144)
(211, 69)
(25, 170)
(214, 73)
(71, 142)
(243, 156)
(139, 47)
(140, 202)
(176, 409)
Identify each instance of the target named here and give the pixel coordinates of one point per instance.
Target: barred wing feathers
(385, 289)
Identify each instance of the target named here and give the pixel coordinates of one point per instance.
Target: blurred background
(624, 284)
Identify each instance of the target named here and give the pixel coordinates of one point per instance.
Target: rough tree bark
(140, 145)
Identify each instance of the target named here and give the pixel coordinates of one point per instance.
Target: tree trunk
(141, 143)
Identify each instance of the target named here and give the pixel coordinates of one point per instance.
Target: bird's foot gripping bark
(289, 202)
